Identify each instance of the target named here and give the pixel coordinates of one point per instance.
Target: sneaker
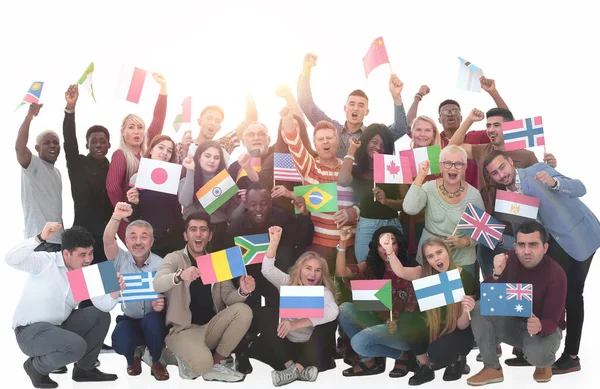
(423, 374)
(542, 374)
(309, 374)
(166, 357)
(184, 371)
(38, 380)
(565, 364)
(487, 375)
(284, 377)
(498, 354)
(228, 362)
(456, 370)
(220, 372)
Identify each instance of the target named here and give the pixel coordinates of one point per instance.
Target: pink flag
(186, 115)
(131, 83)
(376, 55)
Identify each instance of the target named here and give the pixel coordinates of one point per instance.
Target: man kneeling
(539, 336)
(202, 317)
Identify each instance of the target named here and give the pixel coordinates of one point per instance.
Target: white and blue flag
(439, 290)
(139, 287)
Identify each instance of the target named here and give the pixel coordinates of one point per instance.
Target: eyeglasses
(457, 165)
(448, 112)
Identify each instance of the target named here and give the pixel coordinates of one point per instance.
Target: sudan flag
(372, 295)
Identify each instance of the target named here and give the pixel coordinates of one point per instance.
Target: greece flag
(139, 287)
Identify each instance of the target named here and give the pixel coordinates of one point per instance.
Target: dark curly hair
(375, 264)
(76, 237)
(363, 161)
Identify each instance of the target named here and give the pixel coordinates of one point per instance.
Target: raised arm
(268, 269)
(303, 160)
(345, 176)
(69, 132)
(404, 272)
(24, 258)
(341, 268)
(458, 139)
(489, 85)
(115, 177)
(251, 117)
(305, 99)
(416, 198)
(23, 152)
(185, 193)
(400, 125)
(122, 211)
(286, 93)
(414, 107)
(160, 109)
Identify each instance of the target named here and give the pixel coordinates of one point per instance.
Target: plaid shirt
(315, 115)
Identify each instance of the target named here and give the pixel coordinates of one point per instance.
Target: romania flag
(221, 265)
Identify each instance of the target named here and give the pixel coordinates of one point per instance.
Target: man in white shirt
(48, 328)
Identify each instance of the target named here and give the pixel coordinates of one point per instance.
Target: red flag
(376, 55)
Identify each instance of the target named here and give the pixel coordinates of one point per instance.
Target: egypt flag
(524, 133)
(253, 247)
(372, 295)
(318, 197)
(184, 119)
(389, 169)
(158, 176)
(33, 94)
(217, 191)
(86, 80)
(415, 156)
(93, 281)
(131, 82)
(515, 207)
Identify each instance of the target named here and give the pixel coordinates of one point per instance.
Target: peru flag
(131, 83)
(158, 176)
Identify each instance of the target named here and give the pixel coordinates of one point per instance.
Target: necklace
(449, 194)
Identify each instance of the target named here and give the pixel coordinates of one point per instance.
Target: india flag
(415, 156)
(158, 176)
(86, 80)
(93, 281)
(131, 83)
(372, 295)
(217, 191)
(389, 169)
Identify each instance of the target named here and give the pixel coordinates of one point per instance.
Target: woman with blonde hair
(297, 348)
(440, 336)
(133, 144)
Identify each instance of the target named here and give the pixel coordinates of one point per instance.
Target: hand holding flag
(33, 94)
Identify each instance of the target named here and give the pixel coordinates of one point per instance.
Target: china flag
(376, 55)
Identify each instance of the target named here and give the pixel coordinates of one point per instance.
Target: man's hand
(245, 160)
(500, 263)
(310, 60)
(300, 204)
(190, 274)
(545, 178)
(71, 96)
(341, 217)
(50, 229)
(281, 191)
(122, 210)
(133, 196)
(476, 115)
(534, 325)
(487, 84)
(550, 160)
(275, 234)
(283, 90)
(396, 85)
(116, 294)
(424, 90)
(34, 109)
(247, 284)
(159, 304)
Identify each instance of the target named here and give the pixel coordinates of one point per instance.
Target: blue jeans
(369, 334)
(364, 234)
(131, 333)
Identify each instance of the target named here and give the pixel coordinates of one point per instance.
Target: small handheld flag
(439, 290)
(158, 176)
(415, 156)
(284, 169)
(515, 207)
(480, 226)
(221, 265)
(217, 191)
(319, 197)
(184, 119)
(391, 169)
(139, 287)
(524, 133)
(86, 80)
(93, 281)
(376, 55)
(506, 299)
(131, 82)
(256, 165)
(33, 94)
(468, 76)
(372, 295)
(253, 247)
(301, 302)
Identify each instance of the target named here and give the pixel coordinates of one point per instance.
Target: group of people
(380, 232)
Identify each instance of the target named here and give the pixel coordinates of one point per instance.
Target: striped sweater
(314, 172)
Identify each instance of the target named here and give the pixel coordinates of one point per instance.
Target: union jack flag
(480, 226)
(519, 291)
(524, 133)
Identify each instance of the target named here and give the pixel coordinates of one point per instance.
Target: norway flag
(523, 134)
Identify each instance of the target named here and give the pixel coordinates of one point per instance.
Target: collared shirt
(47, 294)
(519, 188)
(125, 264)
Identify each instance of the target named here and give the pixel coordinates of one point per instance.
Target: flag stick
(391, 317)
(469, 314)
(390, 64)
(374, 186)
(455, 230)
(122, 300)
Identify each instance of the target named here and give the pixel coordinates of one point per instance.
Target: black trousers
(576, 272)
(268, 348)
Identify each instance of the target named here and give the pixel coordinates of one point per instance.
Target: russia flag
(300, 302)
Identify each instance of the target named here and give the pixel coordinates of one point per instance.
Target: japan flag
(158, 176)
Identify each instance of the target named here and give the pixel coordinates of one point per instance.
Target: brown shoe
(159, 372)
(136, 369)
(542, 374)
(486, 376)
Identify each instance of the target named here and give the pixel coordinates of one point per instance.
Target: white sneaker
(220, 372)
(229, 362)
(166, 358)
(309, 374)
(284, 377)
(184, 371)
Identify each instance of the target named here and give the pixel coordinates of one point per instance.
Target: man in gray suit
(574, 234)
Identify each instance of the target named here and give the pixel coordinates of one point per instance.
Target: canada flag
(158, 176)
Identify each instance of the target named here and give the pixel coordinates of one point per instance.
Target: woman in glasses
(444, 201)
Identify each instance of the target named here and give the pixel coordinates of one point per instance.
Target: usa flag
(506, 299)
(480, 226)
(524, 133)
(284, 169)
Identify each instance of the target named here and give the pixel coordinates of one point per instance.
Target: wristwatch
(39, 239)
(178, 275)
(496, 275)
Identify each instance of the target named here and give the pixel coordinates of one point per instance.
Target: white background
(543, 58)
